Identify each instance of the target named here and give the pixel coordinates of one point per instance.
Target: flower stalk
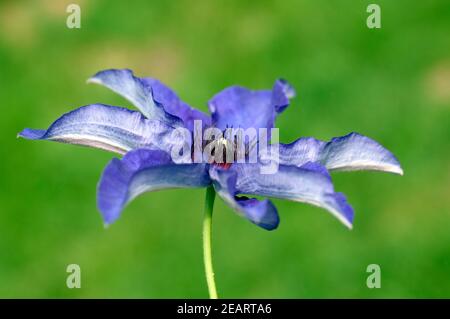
(207, 251)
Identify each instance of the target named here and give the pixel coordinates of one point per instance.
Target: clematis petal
(262, 213)
(175, 106)
(346, 153)
(140, 171)
(240, 107)
(110, 128)
(137, 91)
(309, 183)
(282, 92)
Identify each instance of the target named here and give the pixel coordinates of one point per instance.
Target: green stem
(207, 256)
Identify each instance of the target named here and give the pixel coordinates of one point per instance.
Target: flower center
(222, 149)
(223, 153)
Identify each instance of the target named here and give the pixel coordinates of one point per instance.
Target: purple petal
(308, 184)
(175, 106)
(137, 91)
(347, 153)
(262, 213)
(140, 171)
(240, 107)
(110, 128)
(282, 92)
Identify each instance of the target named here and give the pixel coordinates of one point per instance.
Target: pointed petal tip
(397, 170)
(271, 227)
(108, 217)
(287, 88)
(349, 226)
(97, 78)
(31, 134)
(341, 209)
(392, 168)
(93, 80)
(347, 223)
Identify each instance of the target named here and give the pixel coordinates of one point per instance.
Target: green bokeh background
(392, 84)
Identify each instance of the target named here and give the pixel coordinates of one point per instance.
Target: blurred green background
(392, 84)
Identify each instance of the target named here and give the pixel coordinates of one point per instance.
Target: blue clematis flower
(147, 140)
